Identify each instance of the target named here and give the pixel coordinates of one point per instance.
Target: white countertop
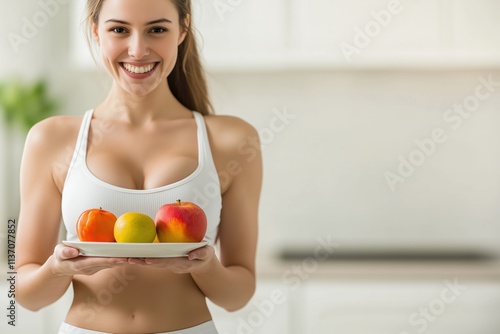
(273, 268)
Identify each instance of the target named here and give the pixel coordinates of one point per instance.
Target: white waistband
(204, 328)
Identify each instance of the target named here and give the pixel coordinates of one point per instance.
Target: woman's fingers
(69, 262)
(195, 261)
(63, 252)
(202, 253)
(69, 253)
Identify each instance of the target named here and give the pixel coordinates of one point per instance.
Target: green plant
(24, 105)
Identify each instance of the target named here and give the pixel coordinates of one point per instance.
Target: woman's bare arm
(229, 281)
(44, 270)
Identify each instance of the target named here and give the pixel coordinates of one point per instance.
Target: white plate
(118, 249)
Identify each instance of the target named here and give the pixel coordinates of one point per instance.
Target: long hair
(187, 80)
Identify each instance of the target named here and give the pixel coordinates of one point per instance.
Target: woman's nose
(138, 47)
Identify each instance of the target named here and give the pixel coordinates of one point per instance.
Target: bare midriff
(136, 299)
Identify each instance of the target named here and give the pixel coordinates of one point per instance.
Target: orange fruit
(135, 227)
(96, 225)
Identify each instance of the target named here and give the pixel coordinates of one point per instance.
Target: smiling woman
(161, 143)
(186, 79)
(130, 40)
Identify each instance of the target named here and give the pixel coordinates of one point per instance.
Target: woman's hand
(66, 261)
(198, 261)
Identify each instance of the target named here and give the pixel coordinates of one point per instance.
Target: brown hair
(187, 80)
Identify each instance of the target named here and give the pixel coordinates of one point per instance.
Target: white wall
(324, 171)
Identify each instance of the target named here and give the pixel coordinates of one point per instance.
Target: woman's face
(138, 42)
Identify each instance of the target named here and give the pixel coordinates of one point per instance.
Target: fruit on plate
(180, 222)
(96, 225)
(135, 227)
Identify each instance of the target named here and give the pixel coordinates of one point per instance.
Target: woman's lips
(139, 71)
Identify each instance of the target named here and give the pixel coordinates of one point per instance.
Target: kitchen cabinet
(368, 307)
(373, 297)
(435, 307)
(242, 35)
(324, 34)
(476, 28)
(358, 32)
(80, 55)
(268, 312)
(233, 32)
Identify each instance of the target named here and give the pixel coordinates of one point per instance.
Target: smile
(139, 69)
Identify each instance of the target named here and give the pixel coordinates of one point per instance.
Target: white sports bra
(83, 190)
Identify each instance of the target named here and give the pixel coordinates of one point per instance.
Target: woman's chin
(141, 89)
(138, 90)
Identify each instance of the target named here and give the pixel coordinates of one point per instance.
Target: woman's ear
(182, 36)
(95, 32)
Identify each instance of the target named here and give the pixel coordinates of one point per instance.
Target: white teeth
(138, 70)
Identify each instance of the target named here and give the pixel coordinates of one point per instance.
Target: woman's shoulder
(229, 128)
(54, 131)
(231, 137)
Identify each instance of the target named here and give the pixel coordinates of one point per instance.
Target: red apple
(180, 222)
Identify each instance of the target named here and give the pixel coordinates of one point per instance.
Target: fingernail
(68, 252)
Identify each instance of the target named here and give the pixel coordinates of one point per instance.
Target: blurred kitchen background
(380, 130)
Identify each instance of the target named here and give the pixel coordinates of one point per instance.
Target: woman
(150, 142)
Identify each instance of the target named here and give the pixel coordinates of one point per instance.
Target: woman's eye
(118, 30)
(158, 30)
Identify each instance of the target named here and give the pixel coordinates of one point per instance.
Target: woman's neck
(160, 103)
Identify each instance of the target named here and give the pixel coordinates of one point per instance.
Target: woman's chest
(143, 159)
